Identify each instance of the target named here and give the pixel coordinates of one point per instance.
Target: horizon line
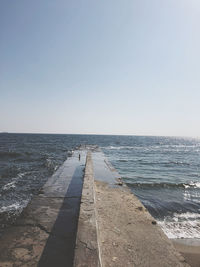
(140, 135)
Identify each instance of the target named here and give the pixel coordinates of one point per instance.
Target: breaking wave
(184, 225)
(164, 185)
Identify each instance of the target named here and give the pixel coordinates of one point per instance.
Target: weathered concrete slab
(58, 184)
(86, 252)
(45, 234)
(127, 234)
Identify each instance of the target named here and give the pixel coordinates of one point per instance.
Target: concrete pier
(87, 249)
(85, 217)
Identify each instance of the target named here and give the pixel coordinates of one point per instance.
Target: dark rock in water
(41, 191)
(119, 181)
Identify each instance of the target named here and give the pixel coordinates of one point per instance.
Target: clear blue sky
(102, 67)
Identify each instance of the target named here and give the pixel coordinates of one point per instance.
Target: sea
(163, 172)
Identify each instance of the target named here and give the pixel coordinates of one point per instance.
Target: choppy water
(165, 175)
(163, 172)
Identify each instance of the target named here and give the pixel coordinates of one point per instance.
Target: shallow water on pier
(163, 172)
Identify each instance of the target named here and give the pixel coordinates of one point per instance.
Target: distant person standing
(79, 157)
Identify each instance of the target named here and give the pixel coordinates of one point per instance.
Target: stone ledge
(86, 251)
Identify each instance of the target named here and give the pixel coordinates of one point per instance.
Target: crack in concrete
(86, 245)
(54, 197)
(41, 227)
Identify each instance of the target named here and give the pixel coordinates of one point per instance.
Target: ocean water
(163, 172)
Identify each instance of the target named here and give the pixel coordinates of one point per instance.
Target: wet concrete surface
(103, 170)
(45, 234)
(59, 248)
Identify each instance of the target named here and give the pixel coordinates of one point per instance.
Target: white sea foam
(21, 174)
(191, 196)
(17, 206)
(56, 167)
(115, 147)
(187, 215)
(11, 207)
(119, 147)
(12, 184)
(156, 147)
(192, 185)
(195, 184)
(9, 185)
(185, 225)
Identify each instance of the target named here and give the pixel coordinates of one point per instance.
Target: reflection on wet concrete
(103, 170)
(59, 248)
(45, 233)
